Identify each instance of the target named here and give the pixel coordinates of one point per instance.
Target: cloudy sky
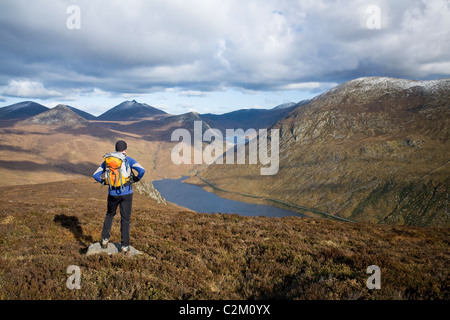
(212, 55)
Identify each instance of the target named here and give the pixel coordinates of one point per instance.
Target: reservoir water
(195, 198)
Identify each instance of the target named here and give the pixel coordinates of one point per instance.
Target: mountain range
(135, 111)
(39, 144)
(372, 149)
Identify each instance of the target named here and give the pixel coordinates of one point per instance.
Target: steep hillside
(46, 228)
(82, 113)
(372, 149)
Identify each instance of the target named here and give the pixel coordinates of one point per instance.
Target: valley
(372, 150)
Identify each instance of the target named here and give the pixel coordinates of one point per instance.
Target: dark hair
(121, 146)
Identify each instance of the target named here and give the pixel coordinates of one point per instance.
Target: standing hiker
(116, 172)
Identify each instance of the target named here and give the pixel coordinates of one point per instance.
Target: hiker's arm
(140, 169)
(98, 173)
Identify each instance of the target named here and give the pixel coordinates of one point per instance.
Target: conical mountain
(130, 110)
(60, 115)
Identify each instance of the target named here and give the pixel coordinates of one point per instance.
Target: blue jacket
(128, 189)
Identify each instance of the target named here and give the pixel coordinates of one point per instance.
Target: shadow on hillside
(86, 168)
(4, 147)
(73, 224)
(8, 129)
(8, 123)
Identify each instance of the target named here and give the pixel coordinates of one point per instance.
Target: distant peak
(60, 114)
(284, 105)
(129, 110)
(128, 104)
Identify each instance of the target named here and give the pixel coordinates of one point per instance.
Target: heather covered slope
(46, 228)
(373, 149)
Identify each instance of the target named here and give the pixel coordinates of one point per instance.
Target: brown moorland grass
(46, 228)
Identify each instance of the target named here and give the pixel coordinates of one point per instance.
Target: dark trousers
(125, 204)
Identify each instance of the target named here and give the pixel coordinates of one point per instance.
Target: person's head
(121, 146)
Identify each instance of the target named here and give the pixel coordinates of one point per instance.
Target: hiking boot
(104, 243)
(125, 250)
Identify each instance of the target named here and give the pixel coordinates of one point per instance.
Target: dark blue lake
(195, 198)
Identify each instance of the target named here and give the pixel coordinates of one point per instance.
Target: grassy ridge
(46, 228)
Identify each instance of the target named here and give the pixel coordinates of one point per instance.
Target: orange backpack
(118, 171)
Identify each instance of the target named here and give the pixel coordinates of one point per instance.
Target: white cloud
(137, 46)
(27, 89)
(435, 68)
(311, 86)
(193, 93)
(220, 51)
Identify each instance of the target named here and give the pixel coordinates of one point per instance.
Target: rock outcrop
(113, 248)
